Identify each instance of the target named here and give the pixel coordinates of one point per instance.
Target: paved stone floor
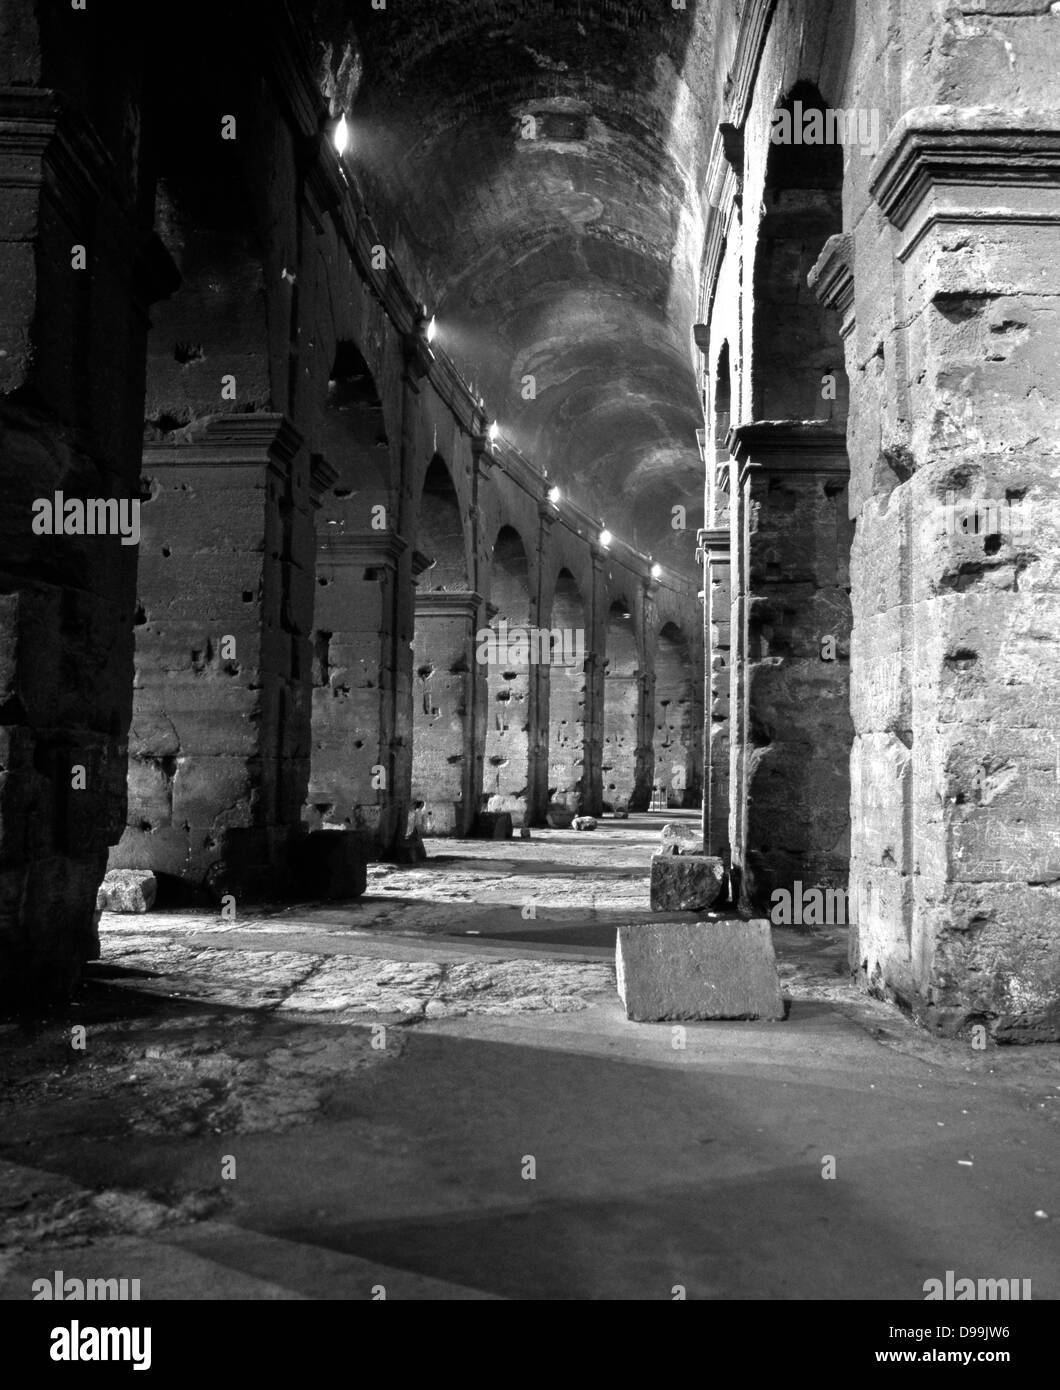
(381, 1077)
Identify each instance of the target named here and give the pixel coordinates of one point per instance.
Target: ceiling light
(495, 430)
(554, 496)
(606, 538)
(656, 571)
(341, 135)
(432, 329)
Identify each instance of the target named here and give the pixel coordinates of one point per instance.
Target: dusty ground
(376, 1075)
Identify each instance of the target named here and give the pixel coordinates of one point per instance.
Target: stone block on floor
(685, 882)
(411, 850)
(493, 825)
(559, 817)
(331, 864)
(584, 823)
(698, 970)
(127, 890)
(681, 837)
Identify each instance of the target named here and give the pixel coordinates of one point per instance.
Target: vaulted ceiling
(542, 161)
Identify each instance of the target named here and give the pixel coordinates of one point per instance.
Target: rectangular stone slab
(697, 970)
(685, 882)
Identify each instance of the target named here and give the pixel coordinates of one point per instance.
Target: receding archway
(797, 353)
(792, 731)
(350, 765)
(675, 740)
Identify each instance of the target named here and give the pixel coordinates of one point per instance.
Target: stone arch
(791, 732)
(444, 674)
(675, 738)
(351, 767)
(796, 346)
(218, 775)
(506, 764)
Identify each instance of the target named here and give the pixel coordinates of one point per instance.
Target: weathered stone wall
(954, 366)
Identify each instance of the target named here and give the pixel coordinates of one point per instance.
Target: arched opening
(792, 730)
(506, 765)
(351, 772)
(566, 704)
(675, 733)
(718, 595)
(797, 353)
(722, 402)
(224, 607)
(621, 709)
(443, 675)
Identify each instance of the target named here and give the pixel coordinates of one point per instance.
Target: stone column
(445, 787)
(718, 604)
(644, 756)
(592, 775)
(219, 746)
(541, 677)
(78, 269)
(792, 746)
(354, 710)
(957, 577)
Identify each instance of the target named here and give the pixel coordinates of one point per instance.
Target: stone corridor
(359, 1164)
(442, 443)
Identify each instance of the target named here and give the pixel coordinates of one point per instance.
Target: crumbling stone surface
(127, 890)
(583, 823)
(698, 970)
(681, 837)
(685, 882)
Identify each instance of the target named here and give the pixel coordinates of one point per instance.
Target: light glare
(341, 135)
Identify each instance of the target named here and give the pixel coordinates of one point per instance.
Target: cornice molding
(786, 447)
(226, 441)
(383, 549)
(832, 279)
(938, 162)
